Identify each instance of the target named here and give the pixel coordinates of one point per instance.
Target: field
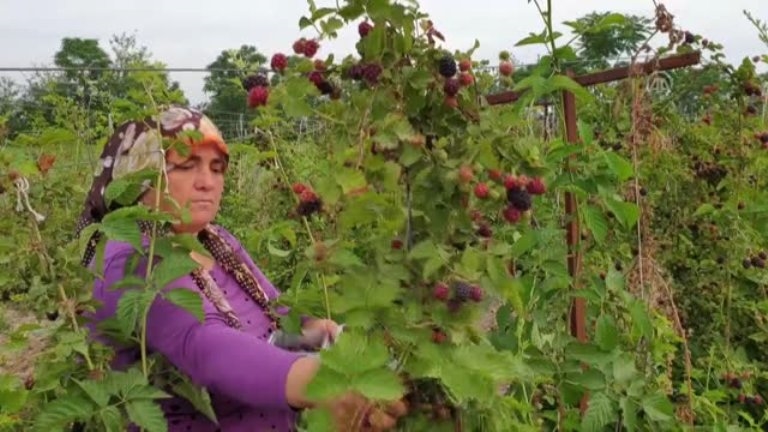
(510, 247)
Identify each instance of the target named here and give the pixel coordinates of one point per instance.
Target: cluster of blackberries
(757, 261)
(369, 72)
(309, 202)
(462, 292)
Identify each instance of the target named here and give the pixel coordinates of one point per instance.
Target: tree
(601, 36)
(223, 82)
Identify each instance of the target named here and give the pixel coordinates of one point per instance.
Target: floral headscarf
(138, 145)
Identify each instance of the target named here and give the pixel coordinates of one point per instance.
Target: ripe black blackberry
(325, 87)
(484, 231)
(462, 291)
(447, 66)
(519, 198)
(307, 208)
(256, 80)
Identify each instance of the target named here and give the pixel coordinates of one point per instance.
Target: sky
(191, 33)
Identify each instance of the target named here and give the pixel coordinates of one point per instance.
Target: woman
(254, 384)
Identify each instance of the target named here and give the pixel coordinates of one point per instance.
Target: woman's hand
(355, 413)
(322, 327)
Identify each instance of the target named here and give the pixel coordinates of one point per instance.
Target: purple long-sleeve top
(244, 374)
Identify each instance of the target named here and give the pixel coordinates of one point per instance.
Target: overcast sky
(191, 33)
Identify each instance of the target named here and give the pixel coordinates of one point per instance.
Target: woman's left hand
(322, 326)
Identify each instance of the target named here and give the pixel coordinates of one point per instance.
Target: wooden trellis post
(577, 314)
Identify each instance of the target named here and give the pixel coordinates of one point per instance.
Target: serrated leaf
(189, 300)
(197, 396)
(619, 166)
(350, 179)
(658, 407)
(606, 333)
(596, 222)
(599, 413)
(641, 322)
(122, 227)
(327, 384)
(173, 267)
(94, 390)
(58, 413)
(379, 384)
(129, 308)
(147, 414)
(624, 369)
(629, 411)
(524, 244)
(564, 82)
(111, 419)
(626, 213)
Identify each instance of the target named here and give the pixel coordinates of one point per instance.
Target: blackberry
(307, 208)
(447, 66)
(484, 231)
(257, 80)
(519, 198)
(325, 87)
(462, 291)
(757, 262)
(746, 263)
(451, 86)
(689, 37)
(763, 255)
(355, 72)
(476, 294)
(371, 73)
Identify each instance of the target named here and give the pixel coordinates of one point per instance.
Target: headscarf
(138, 145)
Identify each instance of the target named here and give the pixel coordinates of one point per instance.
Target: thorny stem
(287, 180)
(547, 16)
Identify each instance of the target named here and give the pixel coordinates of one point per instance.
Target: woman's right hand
(355, 413)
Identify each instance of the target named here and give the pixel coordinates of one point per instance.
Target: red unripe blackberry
(465, 65)
(396, 244)
(451, 87)
(298, 188)
(482, 190)
(310, 48)
(299, 45)
(476, 293)
(316, 77)
(512, 215)
(279, 62)
(441, 292)
(438, 336)
(494, 174)
(258, 96)
(364, 28)
(510, 182)
(466, 79)
(536, 186)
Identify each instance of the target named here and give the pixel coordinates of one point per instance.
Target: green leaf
(350, 179)
(130, 307)
(658, 407)
(624, 369)
(277, 252)
(599, 413)
(629, 409)
(147, 414)
(379, 384)
(58, 413)
(524, 244)
(590, 379)
(327, 384)
(641, 322)
(304, 22)
(111, 419)
(564, 82)
(620, 166)
(533, 39)
(596, 222)
(173, 267)
(95, 391)
(189, 300)
(626, 213)
(119, 225)
(606, 334)
(197, 396)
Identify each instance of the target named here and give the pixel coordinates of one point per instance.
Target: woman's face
(195, 183)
